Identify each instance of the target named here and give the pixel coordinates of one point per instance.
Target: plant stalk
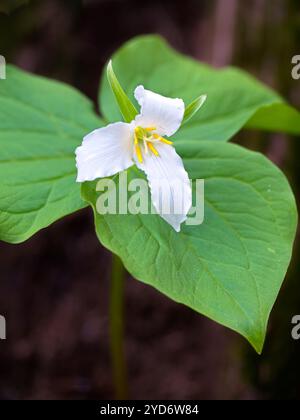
(118, 362)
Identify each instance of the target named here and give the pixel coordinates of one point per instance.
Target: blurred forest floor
(54, 289)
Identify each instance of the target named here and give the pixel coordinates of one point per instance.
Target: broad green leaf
(233, 96)
(280, 117)
(232, 266)
(41, 123)
(126, 107)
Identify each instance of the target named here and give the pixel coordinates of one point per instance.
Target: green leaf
(41, 124)
(232, 266)
(126, 107)
(193, 108)
(279, 117)
(233, 97)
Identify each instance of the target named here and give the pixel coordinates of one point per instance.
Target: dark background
(54, 289)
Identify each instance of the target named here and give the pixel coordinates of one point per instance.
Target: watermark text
(296, 67)
(135, 196)
(296, 328)
(2, 328)
(2, 67)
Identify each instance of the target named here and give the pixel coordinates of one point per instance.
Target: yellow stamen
(138, 153)
(150, 128)
(163, 140)
(166, 141)
(152, 148)
(135, 137)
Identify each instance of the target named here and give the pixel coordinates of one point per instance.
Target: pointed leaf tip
(193, 108)
(126, 107)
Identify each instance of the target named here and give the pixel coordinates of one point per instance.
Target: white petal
(165, 114)
(105, 152)
(169, 184)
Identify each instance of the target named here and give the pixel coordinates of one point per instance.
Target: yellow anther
(144, 136)
(166, 141)
(139, 153)
(156, 136)
(136, 136)
(152, 148)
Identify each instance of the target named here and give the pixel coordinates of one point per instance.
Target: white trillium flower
(116, 147)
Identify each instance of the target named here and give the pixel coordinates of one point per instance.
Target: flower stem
(117, 329)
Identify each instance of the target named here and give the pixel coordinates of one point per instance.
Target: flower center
(144, 139)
